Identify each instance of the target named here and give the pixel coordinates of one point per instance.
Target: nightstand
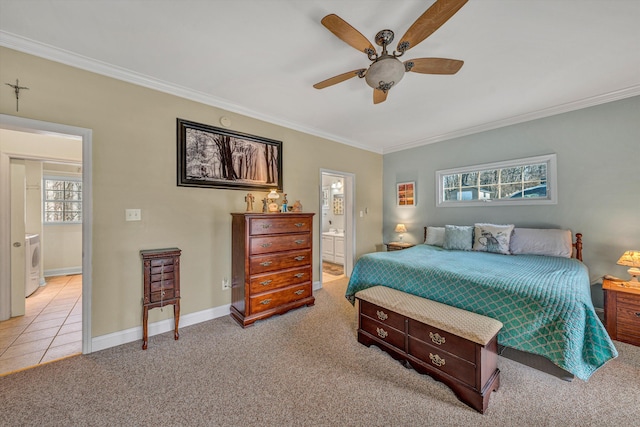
(622, 311)
(398, 246)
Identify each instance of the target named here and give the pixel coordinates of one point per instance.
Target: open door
(18, 185)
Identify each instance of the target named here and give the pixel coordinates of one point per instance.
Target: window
(514, 182)
(62, 200)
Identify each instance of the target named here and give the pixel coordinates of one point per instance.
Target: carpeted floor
(304, 368)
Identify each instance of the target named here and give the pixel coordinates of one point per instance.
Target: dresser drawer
(277, 298)
(442, 340)
(167, 283)
(383, 332)
(382, 315)
(443, 361)
(628, 318)
(269, 281)
(258, 226)
(264, 263)
(288, 242)
(158, 296)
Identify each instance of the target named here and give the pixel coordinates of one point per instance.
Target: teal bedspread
(544, 302)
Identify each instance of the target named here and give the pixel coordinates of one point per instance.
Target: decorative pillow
(458, 237)
(534, 241)
(492, 238)
(435, 236)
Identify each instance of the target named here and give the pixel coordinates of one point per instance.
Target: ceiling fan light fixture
(386, 72)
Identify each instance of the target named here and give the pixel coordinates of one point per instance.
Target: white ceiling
(524, 59)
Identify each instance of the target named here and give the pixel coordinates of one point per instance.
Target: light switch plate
(132, 215)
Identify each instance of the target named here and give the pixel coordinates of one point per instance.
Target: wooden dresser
(271, 264)
(622, 311)
(161, 285)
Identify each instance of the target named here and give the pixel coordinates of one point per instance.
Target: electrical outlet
(225, 284)
(132, 215)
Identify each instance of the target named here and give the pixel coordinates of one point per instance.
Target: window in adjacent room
(515, 182)
(62, 200)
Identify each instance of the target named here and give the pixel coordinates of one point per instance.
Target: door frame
(85, 135)
(350, 212)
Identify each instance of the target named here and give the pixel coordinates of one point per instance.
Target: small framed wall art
(406, 193)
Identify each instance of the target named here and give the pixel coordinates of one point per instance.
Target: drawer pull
(299, 257)
(299, 224)
(266, 225)
(266, 263)
(436, 360)
(437, 339)
(299, 292)
(637, 313)
(382, 333)
(382, 315)
(266, 282)
(162, 293)
(266, 245)
(298, 275)
(299, 241)
(265, 302)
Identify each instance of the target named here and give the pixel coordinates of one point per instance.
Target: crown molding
(43, 50)
(521, 118)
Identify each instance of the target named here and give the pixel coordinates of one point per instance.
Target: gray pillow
(435, 236)
(458, 237)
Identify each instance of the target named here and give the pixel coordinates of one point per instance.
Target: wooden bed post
(578, 246)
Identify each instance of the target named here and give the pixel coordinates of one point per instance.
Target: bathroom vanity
(333, 246)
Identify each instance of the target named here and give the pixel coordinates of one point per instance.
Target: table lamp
(631, 259)
(272, 197)
(400, 228)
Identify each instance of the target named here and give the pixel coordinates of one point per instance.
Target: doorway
(10, 249)
(337, 228)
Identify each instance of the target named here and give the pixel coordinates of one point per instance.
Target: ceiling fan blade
(339, 78)
(429, 22)
(433, 65)
(347, 33)
(379, 96)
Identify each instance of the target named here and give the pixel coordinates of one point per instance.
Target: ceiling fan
(387, 70)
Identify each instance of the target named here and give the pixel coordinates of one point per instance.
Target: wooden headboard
(577, 245)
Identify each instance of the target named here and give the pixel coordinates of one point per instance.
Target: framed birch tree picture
(219, 158)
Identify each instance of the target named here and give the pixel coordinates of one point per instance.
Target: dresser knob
(265, 302)
(299, 292)
(437, 339)
(637, 313)
(266, 245)
(266, 282)
(382, 333)
(299, 224)
(266, 225)
(436, 360)
(300, 258)
(299, 242)
(382, 315)
(266, 263)
(298, 275)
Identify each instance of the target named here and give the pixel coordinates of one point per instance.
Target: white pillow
(435, 236)
(492, 238)
(542, 241)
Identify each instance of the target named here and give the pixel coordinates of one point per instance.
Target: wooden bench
(449, 344)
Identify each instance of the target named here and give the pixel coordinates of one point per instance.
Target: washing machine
(32, 263)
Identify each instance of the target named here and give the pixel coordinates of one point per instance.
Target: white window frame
(45, 200)
(552, 187)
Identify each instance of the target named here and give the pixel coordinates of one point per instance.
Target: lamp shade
(400, 228)
(273, 195)
(630, 259)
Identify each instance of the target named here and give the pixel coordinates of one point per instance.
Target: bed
(543, 301)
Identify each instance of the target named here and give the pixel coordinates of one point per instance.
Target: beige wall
(134, 166)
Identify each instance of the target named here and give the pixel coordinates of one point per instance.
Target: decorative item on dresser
(622, 310)
(271, 264)
(161, 285)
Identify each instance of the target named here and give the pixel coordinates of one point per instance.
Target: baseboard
(63, 271)
(135, 334)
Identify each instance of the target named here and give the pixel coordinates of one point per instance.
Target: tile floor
(327, 276)
(50, 329)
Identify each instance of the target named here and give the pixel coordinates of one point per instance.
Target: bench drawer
(383, 332)
(442, 340)
(382, 315)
